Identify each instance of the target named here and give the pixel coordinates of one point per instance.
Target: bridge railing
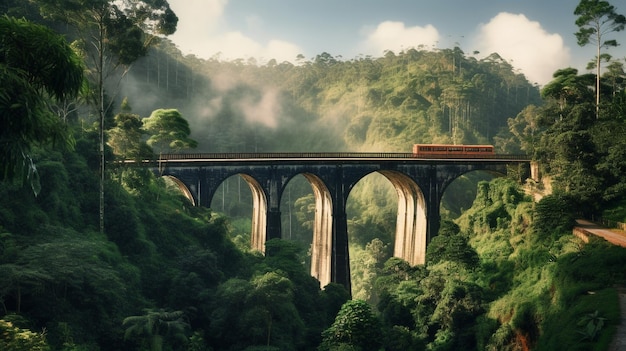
(325, 155)
(608, 222)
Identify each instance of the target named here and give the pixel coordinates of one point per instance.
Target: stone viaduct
(419, 182)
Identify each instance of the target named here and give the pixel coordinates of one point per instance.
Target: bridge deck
(332, 156)
(327, 155)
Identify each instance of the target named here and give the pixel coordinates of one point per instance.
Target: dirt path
(618, 237)
(614, 236)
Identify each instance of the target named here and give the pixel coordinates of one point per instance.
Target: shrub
(355, 325)
(553, 215)
(13, 338)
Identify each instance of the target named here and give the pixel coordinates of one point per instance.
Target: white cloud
(395, 36)
(537, 53)
(196, 20)
(202, 32)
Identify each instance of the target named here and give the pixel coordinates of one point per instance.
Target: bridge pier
(273, 212)
(273, 224)
(322, 243)
(340, 259)
(434, 214)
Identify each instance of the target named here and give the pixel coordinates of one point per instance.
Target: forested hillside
(329, 104)
(97, 255)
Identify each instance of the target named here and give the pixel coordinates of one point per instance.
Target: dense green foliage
(583, 154)
(14, 338)
(504, 273)
(355, 326)
(168, 130)
(36, 65)
(58, 270)
(364, 104)
(507, 285)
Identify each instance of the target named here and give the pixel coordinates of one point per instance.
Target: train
(447, 150)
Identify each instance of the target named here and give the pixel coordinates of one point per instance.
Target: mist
(229, 107)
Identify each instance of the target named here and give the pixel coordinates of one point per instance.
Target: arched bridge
(419, 182)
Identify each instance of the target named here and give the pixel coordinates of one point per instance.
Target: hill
(326, 104)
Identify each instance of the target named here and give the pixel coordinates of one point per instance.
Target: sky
(535, 36)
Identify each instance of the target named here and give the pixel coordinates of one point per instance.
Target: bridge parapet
(330, 155)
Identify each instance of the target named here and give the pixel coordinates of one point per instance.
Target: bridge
(419, 183)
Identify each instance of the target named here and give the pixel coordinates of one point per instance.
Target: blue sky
(536, 36)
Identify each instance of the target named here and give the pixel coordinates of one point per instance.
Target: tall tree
(566, 90)
(271, 317)
(128, 143)
(114, 34)
(35, 64)
(615, 77)
(596, 20)
(169, 131)
(126, 138)
(355, 326)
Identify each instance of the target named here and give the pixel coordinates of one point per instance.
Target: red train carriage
(445, 150)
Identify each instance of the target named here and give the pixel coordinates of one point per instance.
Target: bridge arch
(322, 243)
(493, 172)
(259, 213)
(459, 192)
(411, 223)
(182, 187)
(255, 201)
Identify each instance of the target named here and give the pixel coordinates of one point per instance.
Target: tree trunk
(269, 330)
(18, 308)
(156, 343)
(101, 115)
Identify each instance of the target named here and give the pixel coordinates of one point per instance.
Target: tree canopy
(597, 19)
(36, 64)
(168, 131)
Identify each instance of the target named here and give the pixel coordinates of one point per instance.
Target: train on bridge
(447, 150)
(420, 151)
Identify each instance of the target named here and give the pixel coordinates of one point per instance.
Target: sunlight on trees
(169, 131)
(355, 326)
(597, 19)
(126, 137)
(13, 338)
